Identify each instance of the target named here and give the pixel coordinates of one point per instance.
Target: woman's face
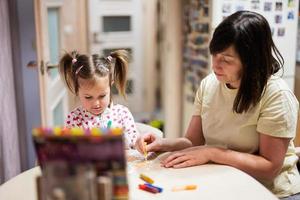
(94, 97)
(227, 67)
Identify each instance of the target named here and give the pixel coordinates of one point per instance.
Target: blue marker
(152, 186)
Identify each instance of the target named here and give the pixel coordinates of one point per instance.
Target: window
(54, 39)
(129, 88)
(106, 52)
(116, 23)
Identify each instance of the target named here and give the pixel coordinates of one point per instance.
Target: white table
(213, 182)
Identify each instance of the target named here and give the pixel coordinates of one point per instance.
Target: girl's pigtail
(67, 69)
(120, 70)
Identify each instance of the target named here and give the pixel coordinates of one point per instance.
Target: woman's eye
(224, 60)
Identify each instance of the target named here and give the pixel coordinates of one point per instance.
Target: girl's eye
(88, 97)
(102, 96)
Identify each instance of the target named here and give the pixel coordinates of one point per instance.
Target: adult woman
(244, 115)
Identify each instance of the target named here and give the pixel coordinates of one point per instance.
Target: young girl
(91, 79)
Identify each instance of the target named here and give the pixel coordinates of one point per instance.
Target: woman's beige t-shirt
(276, 115)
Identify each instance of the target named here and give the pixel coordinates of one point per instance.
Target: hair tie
(109, 58)
(103, 67)
(77, 70)
(74, 60)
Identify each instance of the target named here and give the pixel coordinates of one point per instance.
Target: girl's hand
(153, 143)
(188, 157)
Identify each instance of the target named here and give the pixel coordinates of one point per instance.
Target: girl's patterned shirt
(116, 115)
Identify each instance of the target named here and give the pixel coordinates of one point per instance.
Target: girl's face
(227, 67)
(94, 97)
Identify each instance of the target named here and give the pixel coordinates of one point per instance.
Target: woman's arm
(155, 143)
(194, 132)
(193, 136)
(264, 166)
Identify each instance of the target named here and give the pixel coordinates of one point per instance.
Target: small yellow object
(36, 132)
(95, 132)
(77, 132)
(145, 151)
(187, 187)
(57, 131)
(117, 131)
(146, 178)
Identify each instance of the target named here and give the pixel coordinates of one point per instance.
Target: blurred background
(168, 42)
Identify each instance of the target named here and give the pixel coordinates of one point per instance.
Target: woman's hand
(192, 156)
(153, 142)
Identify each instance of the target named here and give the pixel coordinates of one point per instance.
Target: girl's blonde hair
(74, 65)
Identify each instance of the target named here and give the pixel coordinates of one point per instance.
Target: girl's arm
(129, 126)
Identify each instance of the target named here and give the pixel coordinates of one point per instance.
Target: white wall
(286, 44)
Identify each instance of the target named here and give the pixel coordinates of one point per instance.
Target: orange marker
(187, 187)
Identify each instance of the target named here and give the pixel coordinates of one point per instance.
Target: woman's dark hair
(73, 66)
(250, 35)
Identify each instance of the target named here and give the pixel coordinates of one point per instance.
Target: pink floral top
(113, 116)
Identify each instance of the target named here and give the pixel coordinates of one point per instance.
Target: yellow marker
(187, 187)
(146, 178)
(145, 151)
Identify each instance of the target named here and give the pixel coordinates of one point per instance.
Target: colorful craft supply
(77, 132)
(117, 131)
(148, 189)
(95, 132)
(146, 178)
(35, 132)
(186, 187)
(71, 152)
(145, 151)
(57, 131)
(65, 131)
(156, 187)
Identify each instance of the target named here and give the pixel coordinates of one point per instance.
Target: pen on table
(186, 187)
